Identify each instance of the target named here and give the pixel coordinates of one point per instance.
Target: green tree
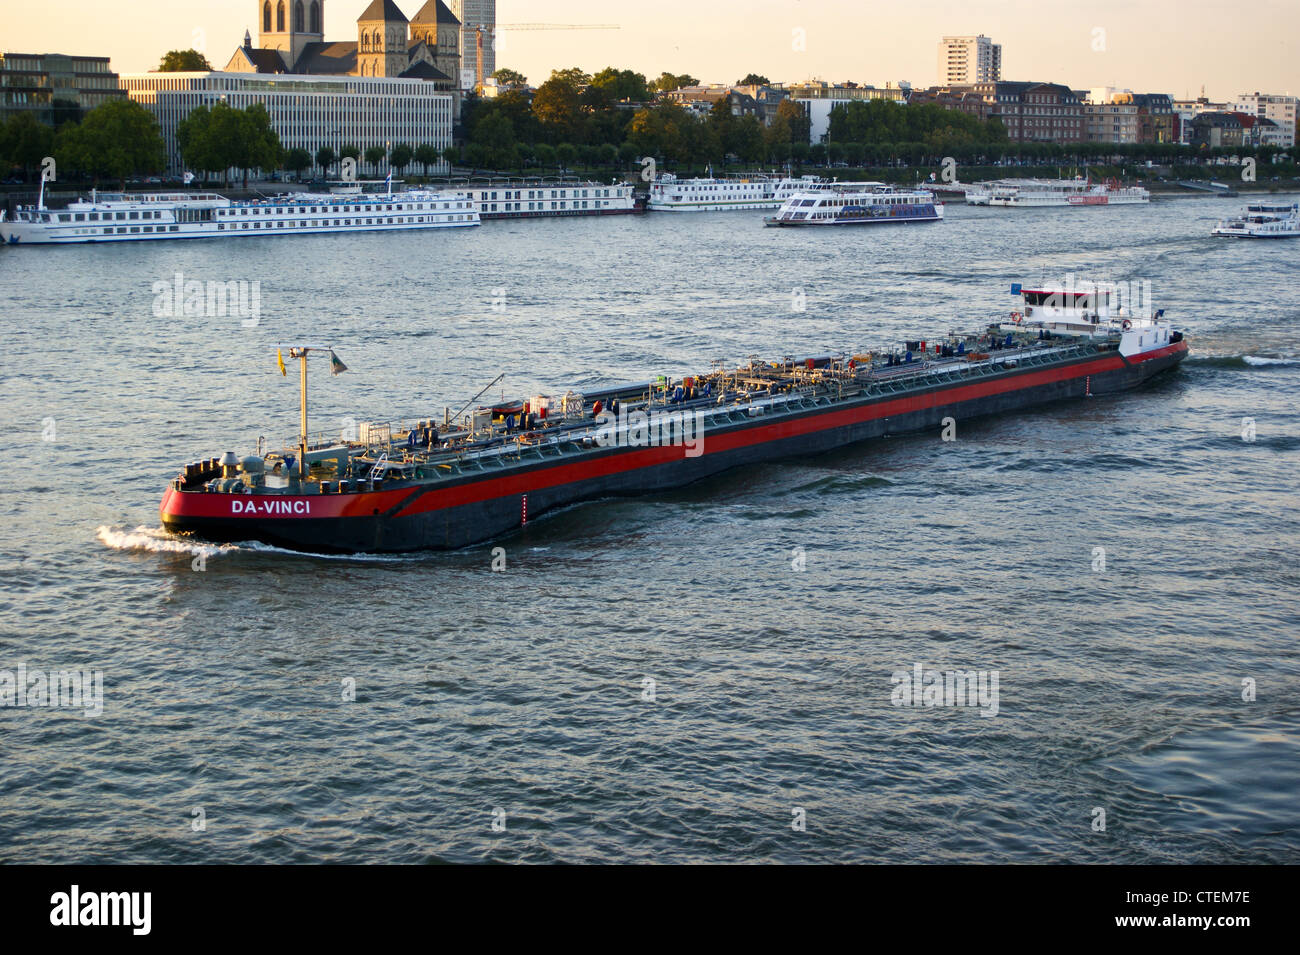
(505, 77)
(116, 139)
(184, 61)
(557, 105)
(619, 85)
(374, 156)
(401, 157)
(668, 82)
(25, 142)
(297, 160)
(325, 158)
(427, 155)
(797, 118)
(754, 79)
(567, 154)
(257, 145)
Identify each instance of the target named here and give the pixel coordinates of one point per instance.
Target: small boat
(1262, 220)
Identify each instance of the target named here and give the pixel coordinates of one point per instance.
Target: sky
(1164, 46)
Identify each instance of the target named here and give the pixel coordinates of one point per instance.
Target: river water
(703, 675)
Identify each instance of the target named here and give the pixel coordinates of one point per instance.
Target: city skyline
(1201, 43)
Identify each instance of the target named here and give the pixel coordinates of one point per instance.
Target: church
(291, 39)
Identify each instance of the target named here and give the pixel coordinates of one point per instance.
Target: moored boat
(429, 484)
(125, 217)
(1024, 193)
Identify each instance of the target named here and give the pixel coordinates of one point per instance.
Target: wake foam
(156, 540)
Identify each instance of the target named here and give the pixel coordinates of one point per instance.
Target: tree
(667, 82)
(326, 157)
(754, 79)
(374, 156)
(495, 133)
(257, 145)
(619, 85)
(221, 138)
(116, 139)
(297, 160)
(25, 142)
(427, 155)
(505, 77)
(184, 61)
(401, 157)
(797, 117)
(748, 143)
(567, 154)
(545, 155)
(557, 104)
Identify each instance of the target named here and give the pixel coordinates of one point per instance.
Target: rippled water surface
(524, 692)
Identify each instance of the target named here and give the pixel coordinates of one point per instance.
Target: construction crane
(482, 30)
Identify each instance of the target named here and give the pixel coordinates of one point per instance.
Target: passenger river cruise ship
(670, 194)
(544, 199)
(1022, 193)
(863, 203)
(125, 217)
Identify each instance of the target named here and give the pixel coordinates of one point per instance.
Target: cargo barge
(431, 484)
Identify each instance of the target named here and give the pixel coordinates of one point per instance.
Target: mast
(302, 408)
(336, 368)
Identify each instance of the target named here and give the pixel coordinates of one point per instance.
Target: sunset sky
(1170, 46)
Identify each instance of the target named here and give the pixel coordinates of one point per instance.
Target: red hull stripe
(365, 505)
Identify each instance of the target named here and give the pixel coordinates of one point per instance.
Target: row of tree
(112, 141)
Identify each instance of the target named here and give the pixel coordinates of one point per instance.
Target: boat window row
(541, 194)
(342, 223)
(335, 210)
(561, 205)
(106, 216)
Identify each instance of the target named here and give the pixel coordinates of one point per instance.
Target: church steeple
(289, 25)
(382, 45)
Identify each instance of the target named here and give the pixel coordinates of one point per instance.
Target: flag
(336, 367)
(279, 360)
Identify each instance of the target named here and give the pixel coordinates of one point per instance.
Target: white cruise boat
(1022, 193)
(119, 217)
(531, 199)
(862, 203)
(670, 194)
(1262, 220)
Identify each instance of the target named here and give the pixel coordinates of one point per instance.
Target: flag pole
(302, 401)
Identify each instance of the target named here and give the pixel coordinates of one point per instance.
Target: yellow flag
(279, 360)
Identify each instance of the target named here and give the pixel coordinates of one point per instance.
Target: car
(13, 181)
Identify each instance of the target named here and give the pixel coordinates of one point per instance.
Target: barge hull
(456, 513)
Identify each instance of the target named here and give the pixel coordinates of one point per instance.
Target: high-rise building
(1280, 109)
(473, 15)
(969, 59)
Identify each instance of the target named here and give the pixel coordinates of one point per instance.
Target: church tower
(289, 25)
(382, 48)
(440, 29)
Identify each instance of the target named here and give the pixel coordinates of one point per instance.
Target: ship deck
(390, 457)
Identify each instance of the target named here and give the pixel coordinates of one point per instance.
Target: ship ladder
(381, 466)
